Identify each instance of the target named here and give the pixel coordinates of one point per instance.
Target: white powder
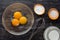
(53, 35)
(39, 9)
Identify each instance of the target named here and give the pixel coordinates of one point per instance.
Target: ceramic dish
(39, 9)
(53, 14)
(52, 33)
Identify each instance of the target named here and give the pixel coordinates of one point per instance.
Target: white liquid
(54, 14)
(53, 35)
(39, 9)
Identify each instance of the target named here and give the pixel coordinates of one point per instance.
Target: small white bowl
(50, 32)
(39, 9)
(53, 14)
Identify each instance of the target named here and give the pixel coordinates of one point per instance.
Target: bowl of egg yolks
(17, 19)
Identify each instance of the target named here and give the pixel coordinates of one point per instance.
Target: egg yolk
(15, 22)
(17, 15)
(23, 20)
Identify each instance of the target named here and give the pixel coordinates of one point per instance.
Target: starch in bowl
(52, 33)
(39, 9)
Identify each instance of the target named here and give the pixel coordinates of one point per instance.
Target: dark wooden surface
(4, 35)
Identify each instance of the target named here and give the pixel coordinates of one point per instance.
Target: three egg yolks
(18, 19)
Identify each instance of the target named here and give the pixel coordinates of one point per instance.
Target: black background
(4, 35)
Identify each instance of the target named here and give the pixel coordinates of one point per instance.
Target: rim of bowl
(24, 32)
